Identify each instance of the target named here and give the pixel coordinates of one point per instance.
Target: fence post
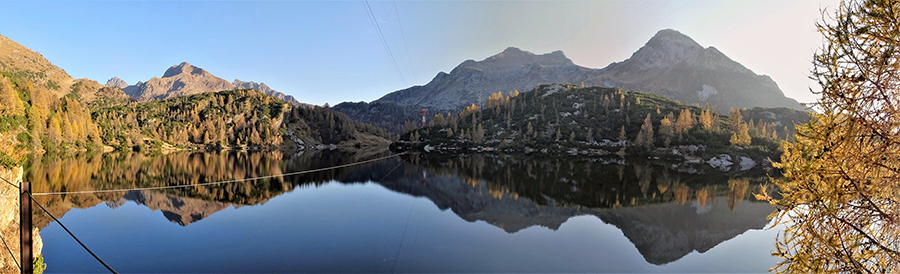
(25, 254)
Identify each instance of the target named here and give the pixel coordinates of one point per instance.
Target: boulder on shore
(721, 162)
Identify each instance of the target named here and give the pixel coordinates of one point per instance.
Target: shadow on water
(664, 213)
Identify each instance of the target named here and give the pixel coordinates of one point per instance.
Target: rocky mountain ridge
(186, 79)
(474, 81)
(670, 64)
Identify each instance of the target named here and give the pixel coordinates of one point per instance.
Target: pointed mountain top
(673, 37)
(666, 48)
(184, 68)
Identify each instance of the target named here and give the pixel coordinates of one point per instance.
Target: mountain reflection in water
(665, 214)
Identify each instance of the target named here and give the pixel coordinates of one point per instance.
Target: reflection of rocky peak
(478, 203)
(117, 203)
(180, 210)
(662, 233)
(666, 232)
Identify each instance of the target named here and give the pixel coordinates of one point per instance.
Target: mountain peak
(116, 82)
(512, 52)
(183, 68)
(667, 47)
(673, 36)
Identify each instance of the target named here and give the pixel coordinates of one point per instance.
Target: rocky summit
(179, 80)
(673, 65)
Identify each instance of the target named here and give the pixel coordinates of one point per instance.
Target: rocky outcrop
(721, 162)
(9, 220)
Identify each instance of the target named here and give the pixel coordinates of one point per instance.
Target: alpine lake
(486, 212)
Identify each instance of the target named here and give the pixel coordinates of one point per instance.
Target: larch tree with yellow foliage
(742, 137)
(841, 188)
(645, 136)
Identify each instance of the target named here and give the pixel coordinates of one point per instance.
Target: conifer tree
(706, 120)
(742, 137)
(685, 122)
(735, 120)
(840, 190)
(645, 136)
(666, 131)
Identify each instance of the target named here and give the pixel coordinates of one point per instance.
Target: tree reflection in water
(666, 214)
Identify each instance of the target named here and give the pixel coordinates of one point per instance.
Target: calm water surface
(473, 213)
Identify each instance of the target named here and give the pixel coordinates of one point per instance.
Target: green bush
(24, 137)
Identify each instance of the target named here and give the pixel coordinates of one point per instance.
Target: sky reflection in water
(405, 225)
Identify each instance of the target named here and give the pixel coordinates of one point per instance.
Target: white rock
(721, 162)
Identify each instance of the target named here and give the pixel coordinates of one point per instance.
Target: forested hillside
(90, 116)
(561, 116)
(227, 119)
(33, 119)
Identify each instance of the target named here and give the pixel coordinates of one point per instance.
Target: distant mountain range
(670, 64)
(186, 79)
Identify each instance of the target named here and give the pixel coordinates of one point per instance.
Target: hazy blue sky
(331, 52)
